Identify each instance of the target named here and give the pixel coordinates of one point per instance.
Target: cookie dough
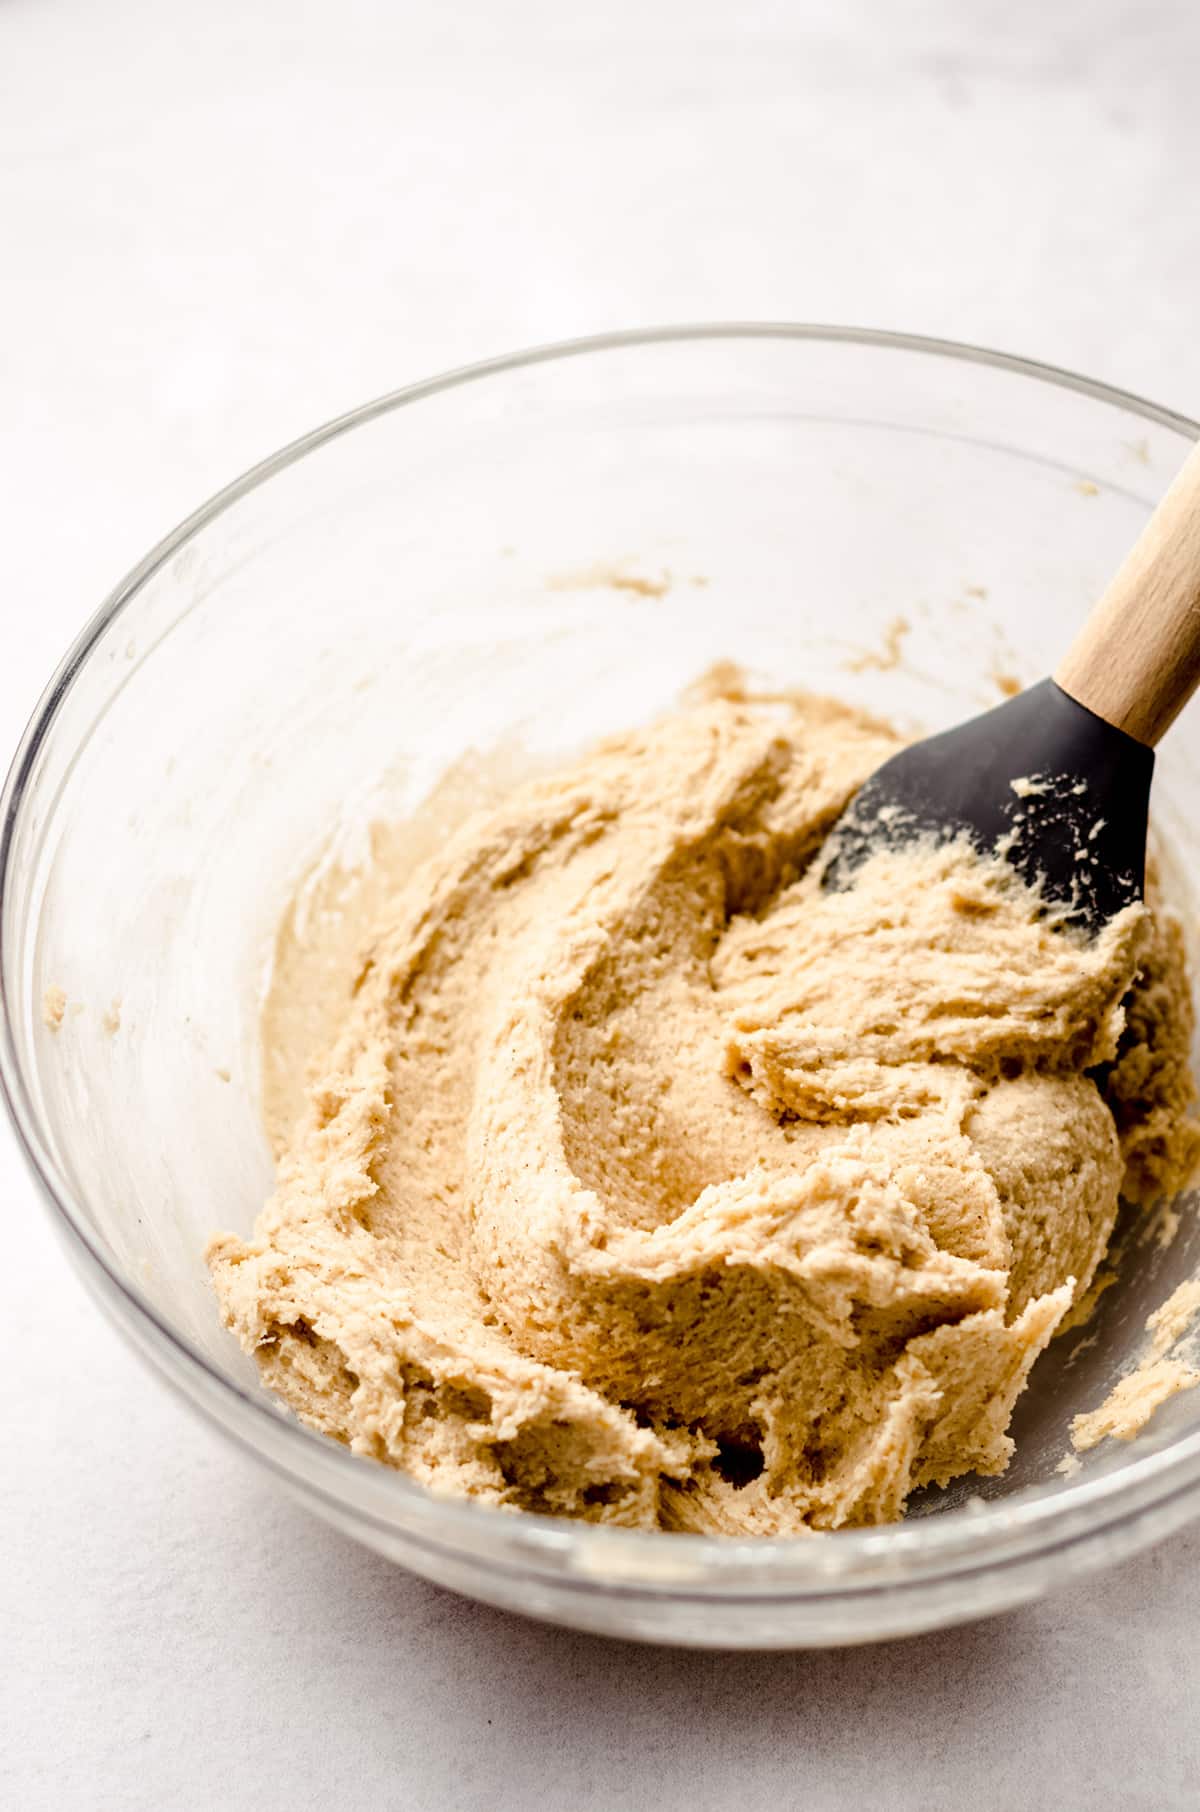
(1167, 1368)
(643, 1182)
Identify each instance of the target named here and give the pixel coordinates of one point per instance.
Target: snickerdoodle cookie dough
(644, 1182)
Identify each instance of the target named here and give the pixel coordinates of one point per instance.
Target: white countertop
(221, 224)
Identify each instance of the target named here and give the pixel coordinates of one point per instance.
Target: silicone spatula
(1057, 779)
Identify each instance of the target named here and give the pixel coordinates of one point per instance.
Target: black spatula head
(1042, 781)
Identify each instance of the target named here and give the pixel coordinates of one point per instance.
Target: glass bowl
(530, 554)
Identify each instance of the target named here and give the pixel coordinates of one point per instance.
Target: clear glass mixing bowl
(536, 552)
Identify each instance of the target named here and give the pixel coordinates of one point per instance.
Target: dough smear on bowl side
(645, 1182)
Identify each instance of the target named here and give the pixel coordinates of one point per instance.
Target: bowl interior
(512, 566)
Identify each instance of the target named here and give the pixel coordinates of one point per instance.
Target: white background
(223, 222)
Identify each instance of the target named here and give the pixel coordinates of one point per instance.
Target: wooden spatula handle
(1136, 661)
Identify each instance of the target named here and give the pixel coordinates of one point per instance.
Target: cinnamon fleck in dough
(642, 1181)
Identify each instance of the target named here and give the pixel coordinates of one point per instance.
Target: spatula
(1057, 779)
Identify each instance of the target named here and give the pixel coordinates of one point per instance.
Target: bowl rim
(962, 1540)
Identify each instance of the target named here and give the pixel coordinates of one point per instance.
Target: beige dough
(1161, 1374)
(641, 1181)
